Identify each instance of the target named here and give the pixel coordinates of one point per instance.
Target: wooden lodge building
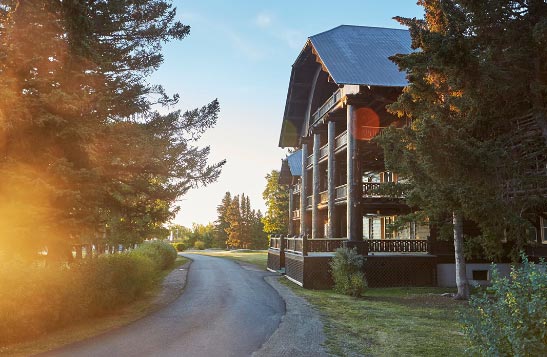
(340, 85)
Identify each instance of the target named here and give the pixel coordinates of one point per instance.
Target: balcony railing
(324, 197)
(327, 106)
(324, 151)
(341, 140)
(398, 246)
(341, 192)
(369, 189)
(309, 201)
(296, 214)
(296, 188)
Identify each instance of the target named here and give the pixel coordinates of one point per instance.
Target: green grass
(389, 322)
(93, 326)
(255, 257)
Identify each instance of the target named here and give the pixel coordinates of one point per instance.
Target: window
(480, 274)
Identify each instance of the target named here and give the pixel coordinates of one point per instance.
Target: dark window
(480, 274)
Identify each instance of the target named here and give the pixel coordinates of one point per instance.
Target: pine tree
(222, 223)
(235, 229)
(468, 81)
(82, 144)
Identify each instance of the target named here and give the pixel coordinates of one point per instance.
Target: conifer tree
(276, 196)
(468, 82)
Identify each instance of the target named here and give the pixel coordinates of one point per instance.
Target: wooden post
(290, 229)
(350, 183)
(303, 189)
(331, 168)
(315, 193)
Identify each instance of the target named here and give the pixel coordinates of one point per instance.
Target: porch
(389, 262)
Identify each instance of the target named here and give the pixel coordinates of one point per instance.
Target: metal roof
(359, 54)
(295, 163)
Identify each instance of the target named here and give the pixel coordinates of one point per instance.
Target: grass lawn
(92, 326)
(256, 257)
(389, 322)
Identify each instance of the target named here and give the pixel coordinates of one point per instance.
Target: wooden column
(303, 189)
(315, 232)
(331, 168)
(291, 208)
(352, 199)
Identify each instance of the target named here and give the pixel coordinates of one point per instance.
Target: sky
(241, 52)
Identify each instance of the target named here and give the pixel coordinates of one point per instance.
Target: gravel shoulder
(301, 330)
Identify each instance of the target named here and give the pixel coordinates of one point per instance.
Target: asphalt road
(225, 310)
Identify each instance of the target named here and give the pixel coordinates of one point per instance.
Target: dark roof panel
(359, 54)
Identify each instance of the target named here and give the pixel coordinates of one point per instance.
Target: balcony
(296, 214)
(327, 106)
(296, 188)
(309, 202)
(324, 197)
(341, 192)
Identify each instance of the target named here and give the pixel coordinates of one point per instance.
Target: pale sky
(241, 52)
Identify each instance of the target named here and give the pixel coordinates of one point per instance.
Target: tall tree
(460, 101)
(276, 219)
(235, 229)
(81, 141)
(222, 223)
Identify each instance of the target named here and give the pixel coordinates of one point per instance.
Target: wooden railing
(296, 214)
(303, 246)
(341, 140)
(369, 188)
(327, 106)
(323, 151)
(296, 188)
(325, 244)
(341, 192)
(324, 197)
(294, 245)
(309, 201)
(398, 246)
(275, 243)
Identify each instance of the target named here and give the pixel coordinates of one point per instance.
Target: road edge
(300, 332)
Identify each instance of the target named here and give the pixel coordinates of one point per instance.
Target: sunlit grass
(255, 257)
(389, 322)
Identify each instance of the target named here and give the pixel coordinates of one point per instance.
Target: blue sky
(241, 52)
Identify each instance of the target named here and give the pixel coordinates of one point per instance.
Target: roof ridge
(361, 26)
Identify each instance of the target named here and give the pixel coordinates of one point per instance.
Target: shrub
(346, 269)
(35, 299)
(180, 247)
(510, 319)
(199, 245)
(162, 254)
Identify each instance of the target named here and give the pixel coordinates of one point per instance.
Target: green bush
(510, 319)
(347, 272)
(199, 245)
(35, 299)
(180, 247)
(162, 254)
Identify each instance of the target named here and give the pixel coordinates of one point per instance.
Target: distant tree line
(238, 226)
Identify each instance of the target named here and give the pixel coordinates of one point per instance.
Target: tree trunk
(461, 277)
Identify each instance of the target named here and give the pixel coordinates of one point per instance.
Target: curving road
(225, 310)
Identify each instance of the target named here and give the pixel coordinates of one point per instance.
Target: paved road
(225, 310)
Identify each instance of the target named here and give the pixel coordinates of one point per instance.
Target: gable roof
(360, 54)
(350, 55)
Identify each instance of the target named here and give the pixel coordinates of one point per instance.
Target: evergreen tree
(222, 223)
(276, 196)
(235, 229)
(462, 102)
(82, 145)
